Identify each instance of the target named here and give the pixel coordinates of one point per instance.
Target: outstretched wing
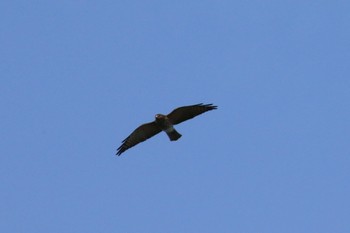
(187, 112)
(140, 134)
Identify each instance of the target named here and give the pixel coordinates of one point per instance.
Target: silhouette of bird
(164, 123)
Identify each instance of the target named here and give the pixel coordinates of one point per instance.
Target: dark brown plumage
(164, 123)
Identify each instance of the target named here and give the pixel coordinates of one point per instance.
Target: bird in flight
(164, 123)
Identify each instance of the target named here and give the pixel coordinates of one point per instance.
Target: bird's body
(164, 123)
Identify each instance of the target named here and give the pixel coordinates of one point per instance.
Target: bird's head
(159, 117)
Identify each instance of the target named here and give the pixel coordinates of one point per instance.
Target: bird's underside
(164, 123)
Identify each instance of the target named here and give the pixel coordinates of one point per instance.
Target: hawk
(164, 123)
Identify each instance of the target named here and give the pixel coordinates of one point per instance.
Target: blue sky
(78, 76)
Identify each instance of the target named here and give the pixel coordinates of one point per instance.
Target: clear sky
(78, 76)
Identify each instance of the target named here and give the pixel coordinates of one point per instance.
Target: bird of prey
(164, 123)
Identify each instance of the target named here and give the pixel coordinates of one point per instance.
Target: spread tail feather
(174, 135)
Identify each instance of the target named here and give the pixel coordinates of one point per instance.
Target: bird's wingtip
(210, 106)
